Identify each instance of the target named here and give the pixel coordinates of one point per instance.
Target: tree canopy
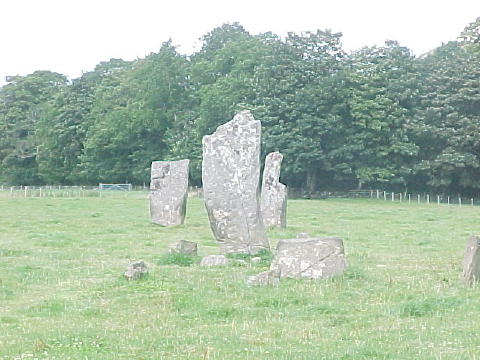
(375, 117)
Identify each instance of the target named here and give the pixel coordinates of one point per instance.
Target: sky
(72, 36)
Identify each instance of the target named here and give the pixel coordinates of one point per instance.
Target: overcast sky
(71, 36)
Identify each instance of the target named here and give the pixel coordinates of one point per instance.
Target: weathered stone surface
(314, 258)
(303, 235)
(136, 270)
(269, 277)
(184, 247)
(214, 260)
(274, 194)
(230, 176)
(471, 260)
(168, 192)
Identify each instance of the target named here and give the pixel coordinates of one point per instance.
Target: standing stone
(313, 258)
(168, 192)
(274, 193)
(471, 260)
(230, 176)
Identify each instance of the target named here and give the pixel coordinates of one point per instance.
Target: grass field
(62, 294)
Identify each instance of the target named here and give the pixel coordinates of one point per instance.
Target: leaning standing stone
(313, 258)
(274, 193)
(230, 176)
(471, 260)
(168, 192)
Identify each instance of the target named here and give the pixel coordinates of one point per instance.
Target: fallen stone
(313, 258)
(184, 247)
(168, 192)
(471, 260)
(269, 277)
(230, 177)
(274, 193)
(136, 270)
(214, 260)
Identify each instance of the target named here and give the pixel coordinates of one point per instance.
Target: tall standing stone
(471, 260)
(274, 193)
(168, 192)
(230, 176)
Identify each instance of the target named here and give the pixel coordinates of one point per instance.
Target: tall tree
(23, 102)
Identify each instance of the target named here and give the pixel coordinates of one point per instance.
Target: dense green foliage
(377, 117)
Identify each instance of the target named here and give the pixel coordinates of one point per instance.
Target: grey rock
(303, 235)
(314, 258)
(214, 260)
(230, 176)
(274, 194)
(471, 260)
(269, 277)
(136, 270)
(256, 260)
(184, 247)
(168, 192)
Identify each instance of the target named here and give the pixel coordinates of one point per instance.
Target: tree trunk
(311, 182)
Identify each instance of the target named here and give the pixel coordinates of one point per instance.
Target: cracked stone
(168, 192)
(313, 258)
(230, 176)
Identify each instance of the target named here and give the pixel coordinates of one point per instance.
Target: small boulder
(184, 247)
(269, 277)
(136, 270)
(256, 260)
(214, 260)
(313, 258)
(471, 260)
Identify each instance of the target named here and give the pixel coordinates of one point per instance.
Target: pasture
(63, 296)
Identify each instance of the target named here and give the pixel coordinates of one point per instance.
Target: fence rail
(60, 191)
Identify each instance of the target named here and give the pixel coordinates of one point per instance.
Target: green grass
(62, 294)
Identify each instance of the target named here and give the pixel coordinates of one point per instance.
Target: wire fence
(402, 197)
(60, 191)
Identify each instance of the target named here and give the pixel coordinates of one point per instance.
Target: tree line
(376, 117)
